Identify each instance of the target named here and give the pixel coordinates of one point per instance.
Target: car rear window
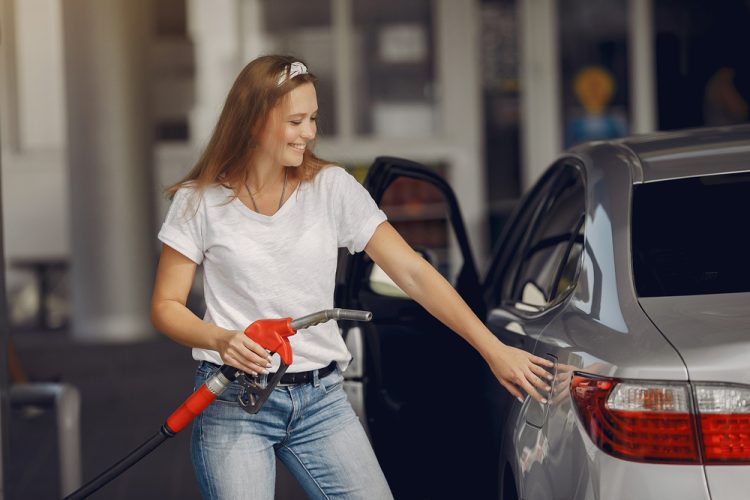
(690, 236)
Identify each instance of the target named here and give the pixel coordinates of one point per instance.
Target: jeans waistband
(294, 378)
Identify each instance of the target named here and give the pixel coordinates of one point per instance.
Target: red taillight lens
(726, 439)
(643, 422)
(655, 422)
(725, 423)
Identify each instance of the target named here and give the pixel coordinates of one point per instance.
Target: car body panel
(687, 153)
(728, 482)
(564, 450)
(584, 473)
(561, 462)
(711, 332)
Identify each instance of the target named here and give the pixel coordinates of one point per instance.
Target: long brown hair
(253, 96)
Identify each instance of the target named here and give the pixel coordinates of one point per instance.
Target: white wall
(35, 205)
(34, 174)
(39, 72)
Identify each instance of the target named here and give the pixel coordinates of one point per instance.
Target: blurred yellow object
(594, 87)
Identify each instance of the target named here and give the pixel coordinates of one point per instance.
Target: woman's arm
(170, 316)
(415, 276)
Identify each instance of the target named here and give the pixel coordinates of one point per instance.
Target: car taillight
(648, 422)
(725, 423)
(655, 422)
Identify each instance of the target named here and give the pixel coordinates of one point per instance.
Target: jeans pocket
(332, 381)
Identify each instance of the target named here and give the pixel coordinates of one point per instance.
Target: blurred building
(105, 103)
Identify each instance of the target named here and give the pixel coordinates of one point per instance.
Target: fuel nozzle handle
(328, 314)
(272, 334)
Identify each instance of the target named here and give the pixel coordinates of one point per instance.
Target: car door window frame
(542, 217)
(513, 236)
(500, 287)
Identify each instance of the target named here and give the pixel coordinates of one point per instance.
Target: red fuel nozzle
(272, 334)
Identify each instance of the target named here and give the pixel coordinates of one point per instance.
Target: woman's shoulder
(330, 171)
(332, 176)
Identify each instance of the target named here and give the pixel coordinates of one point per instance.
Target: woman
(265, 218)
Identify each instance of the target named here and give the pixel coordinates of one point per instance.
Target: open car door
(420, 385)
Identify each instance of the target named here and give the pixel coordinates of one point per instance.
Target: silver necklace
(283, 190)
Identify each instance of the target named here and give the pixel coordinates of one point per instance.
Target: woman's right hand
(237, 350)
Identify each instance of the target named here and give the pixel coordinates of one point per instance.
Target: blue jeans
(311, 428)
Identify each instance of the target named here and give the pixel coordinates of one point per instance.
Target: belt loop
(316, 378)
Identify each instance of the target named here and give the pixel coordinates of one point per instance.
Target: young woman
(265, 217)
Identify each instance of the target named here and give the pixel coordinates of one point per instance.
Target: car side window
(547, 265)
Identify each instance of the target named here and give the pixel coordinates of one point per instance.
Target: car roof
(689, 153)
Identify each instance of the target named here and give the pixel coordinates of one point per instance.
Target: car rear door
(419, 383)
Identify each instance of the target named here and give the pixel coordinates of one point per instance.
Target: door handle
(535, 412)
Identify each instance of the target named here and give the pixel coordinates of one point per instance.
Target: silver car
(628, 265)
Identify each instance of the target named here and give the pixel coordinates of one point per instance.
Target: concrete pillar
(344, 49)
(215, 33)
(641, 53)
(110, 163)
(8, 84)
(251, 31)
(457, 37)
(39, 75)
(541, 122)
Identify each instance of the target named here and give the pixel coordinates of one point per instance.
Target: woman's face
(291, 126)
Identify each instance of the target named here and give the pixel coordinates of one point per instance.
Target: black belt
(305, 377)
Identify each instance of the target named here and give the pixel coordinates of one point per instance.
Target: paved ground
(127, 391)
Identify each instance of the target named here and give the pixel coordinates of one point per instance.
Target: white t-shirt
(258, 266)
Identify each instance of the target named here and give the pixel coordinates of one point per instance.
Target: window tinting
(690, 236)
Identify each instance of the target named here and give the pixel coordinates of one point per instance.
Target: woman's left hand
(516, 368)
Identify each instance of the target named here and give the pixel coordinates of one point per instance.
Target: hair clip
(295, 69)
